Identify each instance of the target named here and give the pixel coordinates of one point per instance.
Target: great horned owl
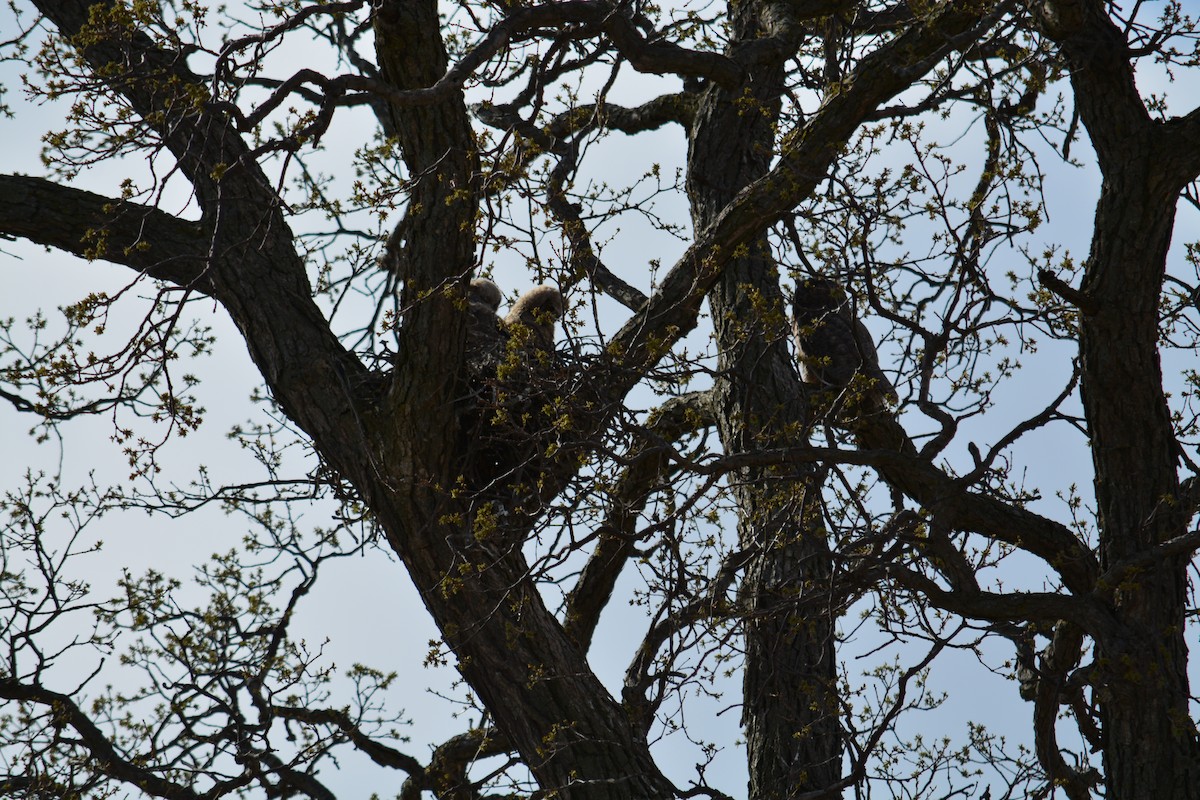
(484, 293)
(511, 369)
(485, 331)
(834, 348)
(536, 311)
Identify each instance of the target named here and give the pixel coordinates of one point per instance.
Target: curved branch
(648, 464)
(1060, 657)
(678, 108)
(653, 114)
(447, 774)
(381, 754)
(1048, 607)
(889, 451)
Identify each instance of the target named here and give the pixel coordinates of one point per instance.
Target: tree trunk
(572, 734)
(790, 708)
(1152, 748)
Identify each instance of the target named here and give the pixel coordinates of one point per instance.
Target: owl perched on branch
(835, 350)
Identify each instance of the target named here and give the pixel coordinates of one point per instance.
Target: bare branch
(1066, 291)
(999, 607)
(658, 57)
(381, 754)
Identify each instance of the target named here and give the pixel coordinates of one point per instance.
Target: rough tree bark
(1152, 748)
(575, 738)
(790, 692)
(397, 436)
(571, 733)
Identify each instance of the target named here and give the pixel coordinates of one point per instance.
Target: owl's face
(547, 306)
(485, 293)
(816, 297)
(538, 309)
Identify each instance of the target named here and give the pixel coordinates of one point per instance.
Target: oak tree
(332, 175)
